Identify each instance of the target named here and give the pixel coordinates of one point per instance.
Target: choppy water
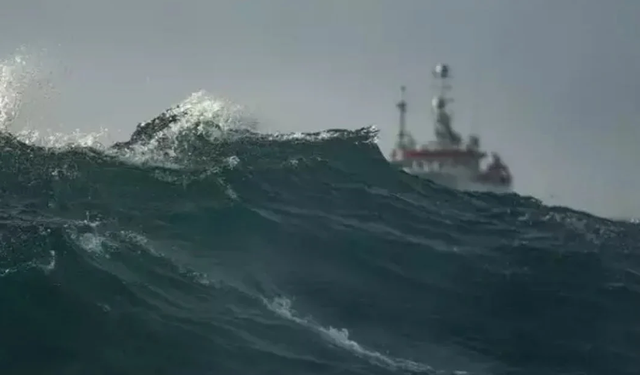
(235, 252)
(307, 254)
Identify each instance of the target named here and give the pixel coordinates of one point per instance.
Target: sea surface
(242, 252)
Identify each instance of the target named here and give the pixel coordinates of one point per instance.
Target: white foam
(102, 245)
(48, 266)
(202, 114)
(340, 338)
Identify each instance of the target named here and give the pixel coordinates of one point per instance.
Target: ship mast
(441, 73)
(402, 107)
(404, 141)
(444, 133)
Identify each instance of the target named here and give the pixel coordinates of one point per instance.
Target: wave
(235, 251)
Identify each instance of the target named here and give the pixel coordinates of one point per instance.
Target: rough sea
(239, 252)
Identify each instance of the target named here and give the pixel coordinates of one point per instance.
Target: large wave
(221, 249)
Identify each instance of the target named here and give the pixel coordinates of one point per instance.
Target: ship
(447, 159)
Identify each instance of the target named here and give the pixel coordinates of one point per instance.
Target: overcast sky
(552, 85)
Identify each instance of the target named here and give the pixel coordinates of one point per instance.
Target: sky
(552, 85)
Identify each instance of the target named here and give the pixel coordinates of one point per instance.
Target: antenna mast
(402, 107)
(444, 132)
(442, 73)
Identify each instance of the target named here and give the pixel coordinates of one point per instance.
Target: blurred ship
(448, 160)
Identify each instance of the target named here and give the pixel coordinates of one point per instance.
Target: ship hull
(459, 182)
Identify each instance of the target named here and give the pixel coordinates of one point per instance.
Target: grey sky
(553, 85)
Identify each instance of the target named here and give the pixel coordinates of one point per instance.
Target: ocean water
(242, 252)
